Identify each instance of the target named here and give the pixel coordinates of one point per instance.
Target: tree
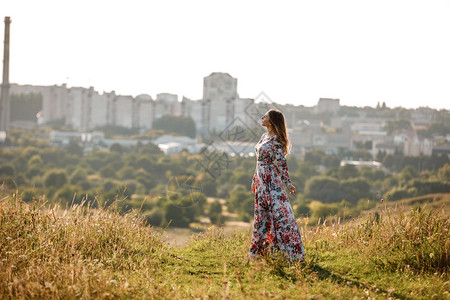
(322, 188)
(108, 172)
(240, 200)
(176, 124)
(174, 214)
(7, 170)
(242, 178)
(55, 178)
(347, 171)
(116, 147)
(75, 148)
(145, 163)
(393, 125)
(127, 172)
(209, 187)
(435, 128)
(215, 213)
(150, 148)
(35, 160)
(78, 176)
(372, 174)
(303, 208)
(315, 157)
(444, 173)
(354, 189)
(409, 172)
(155, 217)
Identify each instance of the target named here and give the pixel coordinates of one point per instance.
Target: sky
(361, 52)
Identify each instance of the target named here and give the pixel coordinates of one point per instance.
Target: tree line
(178, 188)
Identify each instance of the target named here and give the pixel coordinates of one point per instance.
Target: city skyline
(295, 52)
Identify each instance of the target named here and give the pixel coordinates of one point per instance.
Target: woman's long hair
(276, 120)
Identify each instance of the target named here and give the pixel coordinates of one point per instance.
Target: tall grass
(78, 252)
(418, 240)
(82, 252)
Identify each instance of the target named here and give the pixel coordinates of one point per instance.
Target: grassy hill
(440, 201)
(46, 252)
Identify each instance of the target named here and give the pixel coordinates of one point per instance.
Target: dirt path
(180, 237)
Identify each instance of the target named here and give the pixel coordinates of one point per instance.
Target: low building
(360, 164)
(385, 148)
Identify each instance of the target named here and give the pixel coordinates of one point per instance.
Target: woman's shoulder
(265, 135)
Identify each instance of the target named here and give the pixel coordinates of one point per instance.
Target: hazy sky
(362, 52)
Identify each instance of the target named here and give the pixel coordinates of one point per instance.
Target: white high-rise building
(86, 109)
(167, 104)
(193, 109)
(219, 96)
(144, 111)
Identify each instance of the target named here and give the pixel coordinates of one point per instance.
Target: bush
(175, 215)
(302, 210)
(215, 213)
(154, 217)
(322, 211)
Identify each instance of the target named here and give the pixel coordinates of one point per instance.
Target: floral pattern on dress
(275, 227)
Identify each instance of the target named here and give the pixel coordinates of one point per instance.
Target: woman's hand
(253, 188)
(291, 189)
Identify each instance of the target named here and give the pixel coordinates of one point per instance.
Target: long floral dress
(274, 225)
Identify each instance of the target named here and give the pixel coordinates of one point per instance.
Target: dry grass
(46, 252)
(83, 253)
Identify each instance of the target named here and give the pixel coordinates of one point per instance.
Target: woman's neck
(270, 132)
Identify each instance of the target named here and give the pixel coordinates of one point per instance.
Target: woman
(274, 226)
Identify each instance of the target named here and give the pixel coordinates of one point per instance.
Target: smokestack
(4, 100)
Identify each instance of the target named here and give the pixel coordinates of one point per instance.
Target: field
(392, 252)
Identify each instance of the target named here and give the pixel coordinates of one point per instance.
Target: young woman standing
(275, 227)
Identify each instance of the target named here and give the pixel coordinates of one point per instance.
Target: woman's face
(265, 120)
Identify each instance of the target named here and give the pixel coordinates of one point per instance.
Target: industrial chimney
(4, 99)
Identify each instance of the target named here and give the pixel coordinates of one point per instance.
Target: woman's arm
(254, 183)
(280, 161)
(254, 174)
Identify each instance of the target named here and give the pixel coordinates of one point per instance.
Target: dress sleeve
(280, 162)
(254, 174)
(254, 178)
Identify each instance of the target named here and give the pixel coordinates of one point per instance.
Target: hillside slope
(93, 253)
